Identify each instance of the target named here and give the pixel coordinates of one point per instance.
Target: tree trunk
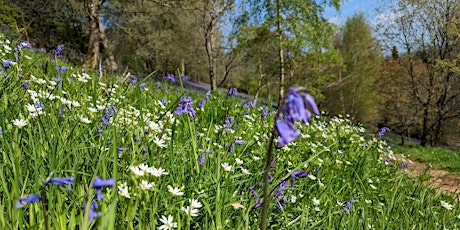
(105, 42)
(182, 67)
(210, 53)
(342, 101)
(280, 47)
(424, 136)
(92, 57)
(259, 84)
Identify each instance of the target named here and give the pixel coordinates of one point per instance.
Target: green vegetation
(440, 158)
(122, 139)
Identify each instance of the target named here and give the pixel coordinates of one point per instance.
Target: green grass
(440, 158)
(145, 133)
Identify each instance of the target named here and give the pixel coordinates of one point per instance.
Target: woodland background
(402, 73)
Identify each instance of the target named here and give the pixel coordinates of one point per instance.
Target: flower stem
(266, 201)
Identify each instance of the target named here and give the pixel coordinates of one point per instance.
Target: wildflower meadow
(97, 150)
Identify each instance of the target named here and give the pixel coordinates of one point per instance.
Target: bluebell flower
(18, 54)
(201, 104)
(132, 79)
(230, 148)
(24, 44)
(164, 101)
(121, 149)
(248, 104)
(7, 64)
(21, 202)
(347, 206)
(240, 142)
(142, 84)
(4, 29)
(59, 50)
(25, 85)
(403, 166)
(282, 201)
(253, 190)
(295, 107)
(259, 203)
(286, 131)
(39, 105)
(105, 121)
(1, 131)
(281, 188)
(63, 69)
(265, 112)
(201, 160)
(93, 214)
(208, 95)
(158, 84)
(60, 181)
(232, 92)
(382, 131)
(170, 77)
(184, 78)
(228, 121)
(297, 174)
(185, 106)
(99, 183)
(99, 130)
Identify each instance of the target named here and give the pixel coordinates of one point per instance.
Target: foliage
(427, 32)
(446, 159)
(61, 126)
(355, 85)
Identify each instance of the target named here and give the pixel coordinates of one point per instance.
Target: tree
(212, 11)
(97, 36)
(355, 87)
(427, 32)
(299, 26)
(51, 23)
(158, 35)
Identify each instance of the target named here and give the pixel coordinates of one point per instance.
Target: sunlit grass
(440, 158)
(203, 171)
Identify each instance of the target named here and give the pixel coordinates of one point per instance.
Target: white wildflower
(316, 202)
(85, 119)
(137, 171)
(146, 185)
(190, 211)
(226, 166)
(159, 142)
(167, 223)
(245, 171)
(19, 123)
(194, 203)
(446, 205)
(175, 191)
(157, 172)
(239, 161)
(123, 190)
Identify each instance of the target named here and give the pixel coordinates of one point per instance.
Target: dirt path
(443, 180)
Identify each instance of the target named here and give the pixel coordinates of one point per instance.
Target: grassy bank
(81, 152)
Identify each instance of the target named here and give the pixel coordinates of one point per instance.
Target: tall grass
(116, 128)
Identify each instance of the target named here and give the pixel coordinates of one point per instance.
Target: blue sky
(350, 7)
